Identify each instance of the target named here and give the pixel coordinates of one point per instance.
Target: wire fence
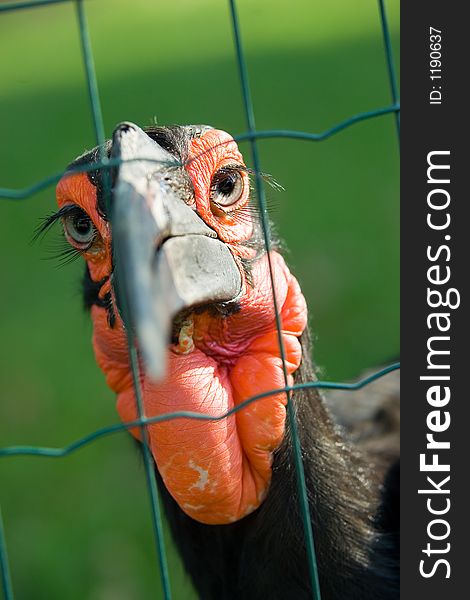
(251, 135)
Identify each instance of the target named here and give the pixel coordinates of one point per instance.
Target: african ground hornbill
(195, 277)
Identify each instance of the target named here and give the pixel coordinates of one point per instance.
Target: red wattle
(218, 471)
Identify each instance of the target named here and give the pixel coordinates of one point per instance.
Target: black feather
(264, 554)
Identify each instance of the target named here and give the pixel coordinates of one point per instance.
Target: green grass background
(79, 528)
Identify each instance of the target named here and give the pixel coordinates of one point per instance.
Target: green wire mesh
(252, 135)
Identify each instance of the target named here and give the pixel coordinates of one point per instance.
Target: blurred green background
(79, 528)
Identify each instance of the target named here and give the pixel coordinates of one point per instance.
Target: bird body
(196, 276)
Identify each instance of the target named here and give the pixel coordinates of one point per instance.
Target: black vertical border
(427, 128)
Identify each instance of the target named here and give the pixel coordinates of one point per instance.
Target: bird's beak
(166, 258)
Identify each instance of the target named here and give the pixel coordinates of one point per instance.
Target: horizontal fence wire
(252, 135)
(27, 192)
(185, 414)
(11, 6)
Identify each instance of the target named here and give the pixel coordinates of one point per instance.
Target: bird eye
(227, 187)
(79, 229)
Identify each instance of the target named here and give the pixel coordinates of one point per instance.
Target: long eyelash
(272, 204)
(266, 177)
(252, 209)
(66, 256)
(251, 212)
(59, 249)
(50, 220)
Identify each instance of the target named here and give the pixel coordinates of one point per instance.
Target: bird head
(183, 268)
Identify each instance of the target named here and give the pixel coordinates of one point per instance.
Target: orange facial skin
(212, 151)
(217, 471)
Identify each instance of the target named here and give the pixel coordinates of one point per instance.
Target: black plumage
(354, 506)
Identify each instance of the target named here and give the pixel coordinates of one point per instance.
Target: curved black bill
(166, 258)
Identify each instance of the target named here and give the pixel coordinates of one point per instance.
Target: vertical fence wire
(300, 474)
(392, 76)
(90, 73)
(252, 136)
(100, 138)
(150, 474)
(4, 563)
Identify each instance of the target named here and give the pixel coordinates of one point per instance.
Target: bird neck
(344, 501)
(218, 471)
(264, 555)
